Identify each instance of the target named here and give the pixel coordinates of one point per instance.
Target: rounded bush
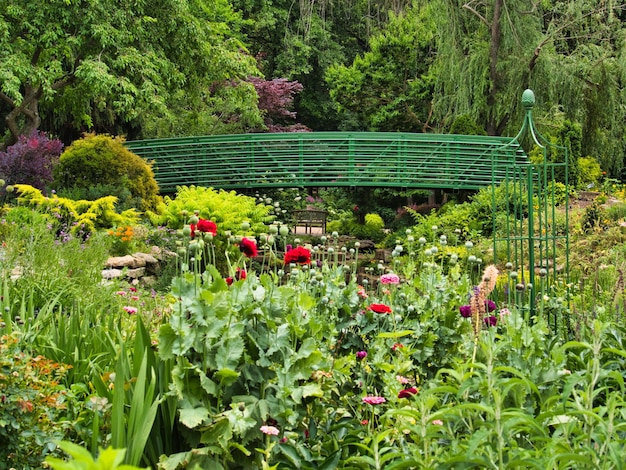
(103, 161)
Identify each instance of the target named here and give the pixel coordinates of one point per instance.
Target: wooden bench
(309, 219)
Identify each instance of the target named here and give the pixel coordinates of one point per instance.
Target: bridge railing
(322, 159)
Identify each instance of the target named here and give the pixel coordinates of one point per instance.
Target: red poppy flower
(380, 308)
(299, 255)
(207, 226)
(407, 392)
(239, 274)
(248, 248)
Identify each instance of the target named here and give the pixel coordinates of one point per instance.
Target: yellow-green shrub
(78, 216)
(227, 209)
(103, 161)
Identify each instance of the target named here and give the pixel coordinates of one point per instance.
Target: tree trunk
(496, 32)
(23, 119)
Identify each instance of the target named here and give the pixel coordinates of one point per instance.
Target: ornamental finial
(528, 99)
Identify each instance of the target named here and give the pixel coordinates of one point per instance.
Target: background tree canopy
(166, 68)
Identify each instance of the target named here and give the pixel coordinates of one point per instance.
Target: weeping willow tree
(570, 52)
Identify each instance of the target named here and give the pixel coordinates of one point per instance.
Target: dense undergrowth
(248, 361)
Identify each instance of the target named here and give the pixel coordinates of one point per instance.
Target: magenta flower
(360, 355)
(389, 278)
(407, 392)
(466, 311)
(373, 400)
(491, 320)
(130, 310)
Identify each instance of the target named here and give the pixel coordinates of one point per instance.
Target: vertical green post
(531, 239)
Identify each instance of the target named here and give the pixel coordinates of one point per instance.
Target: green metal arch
(326, 159)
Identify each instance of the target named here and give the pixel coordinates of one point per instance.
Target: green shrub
(103, 161)
(372, 229)
(616, 211)
(594, 217)
(556, 193)
(590, 171)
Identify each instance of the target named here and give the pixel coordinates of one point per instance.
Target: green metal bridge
(528, 236)
(325, 159)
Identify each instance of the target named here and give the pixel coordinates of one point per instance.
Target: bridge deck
(323, 159)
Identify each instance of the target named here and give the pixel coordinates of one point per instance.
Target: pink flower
(130, 310)
(437, 422)
(403, 380)
(373, 400)
(121, 292)
(389, 278)
(361, 355)
(270, 430)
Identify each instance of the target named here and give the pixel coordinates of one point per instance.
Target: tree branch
(468, 7)
(550, 37)
(63, 82)
(7, 100)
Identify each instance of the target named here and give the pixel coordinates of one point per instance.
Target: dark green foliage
(102, 161)
(594, 217)
(465, 125)
(570, 136)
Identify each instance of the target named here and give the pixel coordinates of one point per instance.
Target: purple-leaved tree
(30, 160)
(275, 102)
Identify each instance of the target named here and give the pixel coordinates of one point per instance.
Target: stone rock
(120, 262)
(146, 257)
(136, 273)
(111, 273)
